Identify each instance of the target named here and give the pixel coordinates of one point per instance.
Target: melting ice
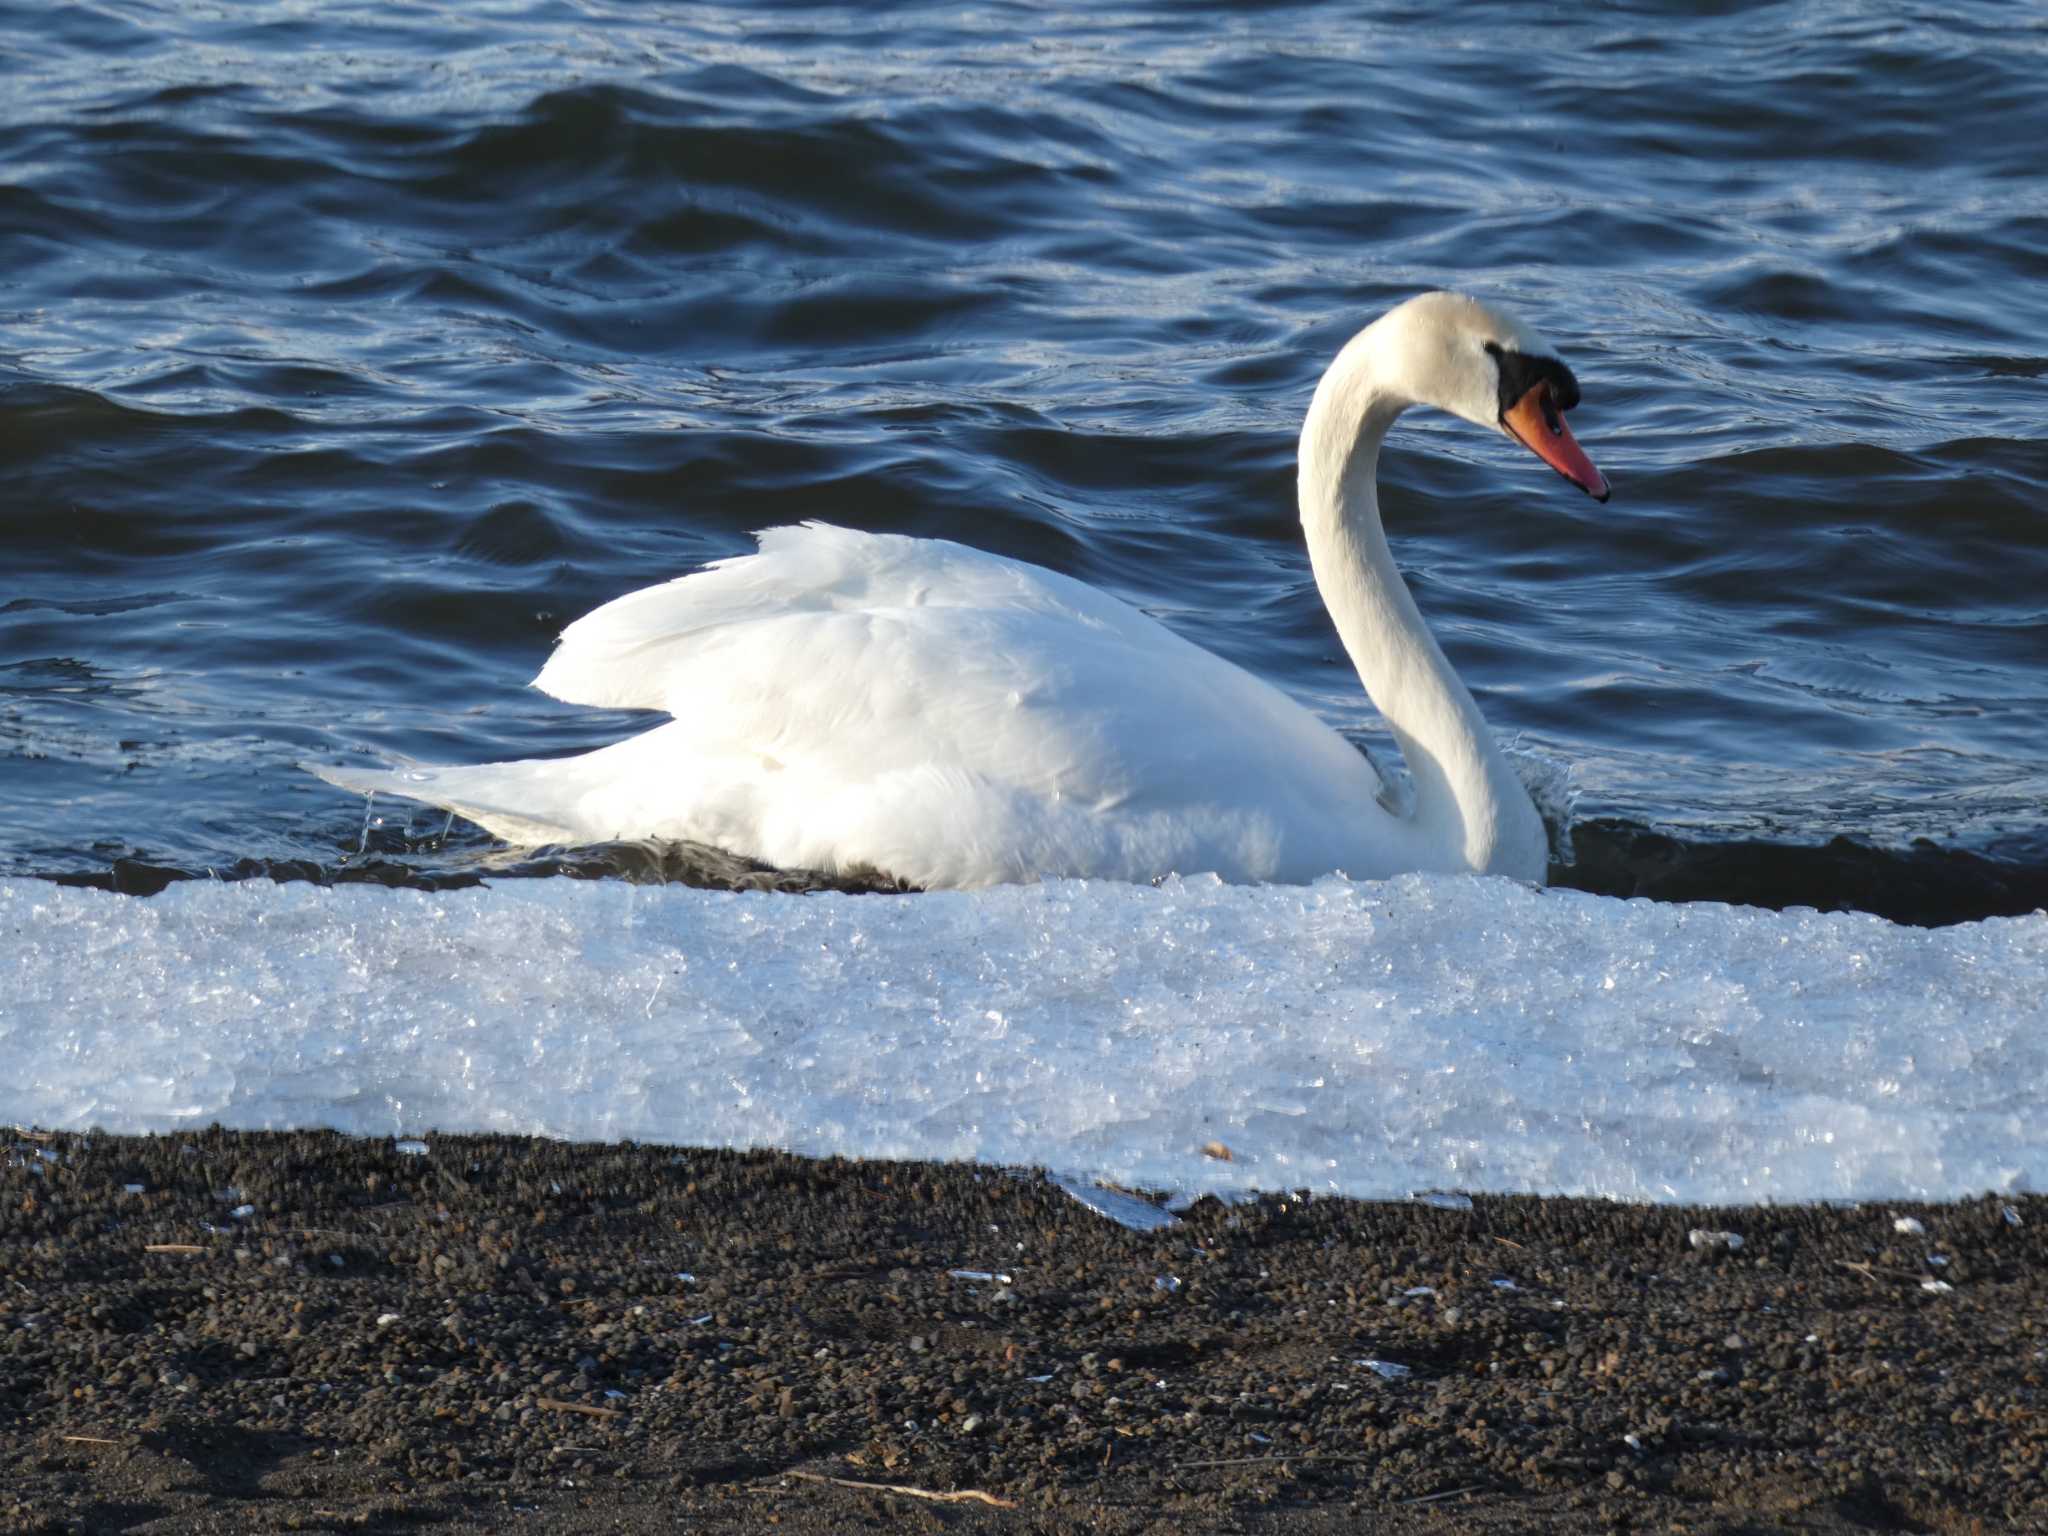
(1370, 1039)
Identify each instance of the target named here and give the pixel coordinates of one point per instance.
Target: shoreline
(309, 1331)
(1922, 885)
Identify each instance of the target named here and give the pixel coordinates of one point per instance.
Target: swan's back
(631, 652)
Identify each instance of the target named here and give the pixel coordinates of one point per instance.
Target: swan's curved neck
(1471, 810)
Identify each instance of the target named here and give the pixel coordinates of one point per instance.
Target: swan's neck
(1471, 810)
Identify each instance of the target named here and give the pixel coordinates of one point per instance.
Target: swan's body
(848, 702)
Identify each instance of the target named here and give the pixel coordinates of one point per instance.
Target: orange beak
(1537, 424)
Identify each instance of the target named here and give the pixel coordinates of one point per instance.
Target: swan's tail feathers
(512, 801)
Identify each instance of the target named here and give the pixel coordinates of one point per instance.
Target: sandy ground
(255, 1332)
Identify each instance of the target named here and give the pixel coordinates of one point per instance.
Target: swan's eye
(1519, 373)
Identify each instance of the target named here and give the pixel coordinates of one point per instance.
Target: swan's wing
(954, 746)
(847, 700)
(630, 653)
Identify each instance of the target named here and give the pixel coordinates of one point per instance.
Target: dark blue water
(348, 352)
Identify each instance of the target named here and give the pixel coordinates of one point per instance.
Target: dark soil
(230, 1332)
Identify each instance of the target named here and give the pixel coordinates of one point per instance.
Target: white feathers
(848, 701)
(853, 701)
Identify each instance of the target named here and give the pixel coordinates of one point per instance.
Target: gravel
(266, 1331)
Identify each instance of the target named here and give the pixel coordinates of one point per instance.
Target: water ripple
(346, 354)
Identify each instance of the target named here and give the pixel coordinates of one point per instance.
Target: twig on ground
(1870, 1271)
(958, 1496)
(1448, 1493)
(91, 1440)
(559, 1406)
(1274, 1460)
(174, 1248)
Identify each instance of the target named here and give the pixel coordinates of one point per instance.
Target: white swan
(855, 702)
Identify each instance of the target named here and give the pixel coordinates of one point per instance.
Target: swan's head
(1478, 362)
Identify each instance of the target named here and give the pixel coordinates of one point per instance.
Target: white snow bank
(1369, 1039)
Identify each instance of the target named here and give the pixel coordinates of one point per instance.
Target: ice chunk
(1442, 1200)
(1123, 1209)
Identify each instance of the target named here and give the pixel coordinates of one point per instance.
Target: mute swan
(851, 702)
